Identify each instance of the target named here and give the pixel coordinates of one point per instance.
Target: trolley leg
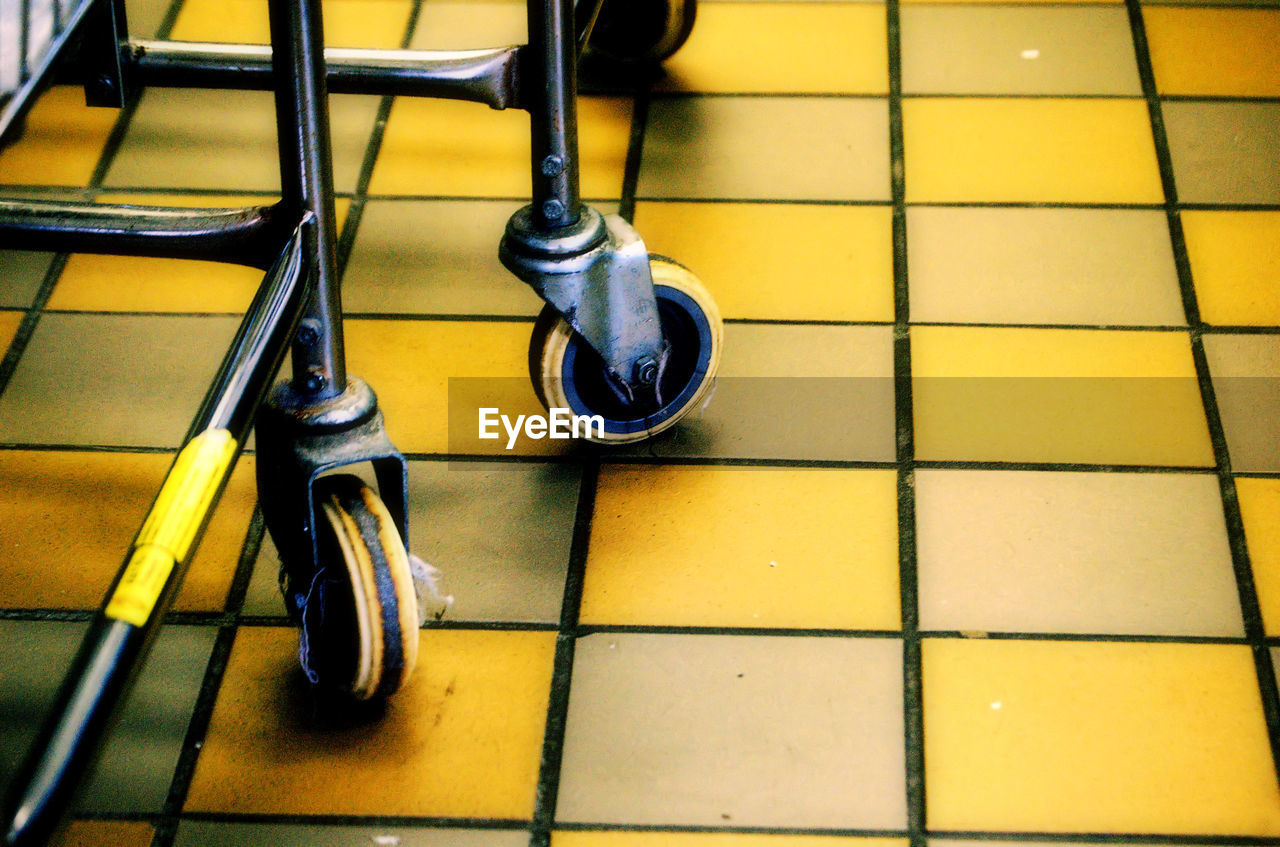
(554, 114)
(306, 182)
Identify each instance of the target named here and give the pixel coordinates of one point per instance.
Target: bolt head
(307, 335)
(315, 381)
(552, 166)
(646, 371)
(552, 209)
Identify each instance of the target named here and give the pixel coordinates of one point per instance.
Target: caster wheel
(568, 374)
(360, 614)
(642, 31)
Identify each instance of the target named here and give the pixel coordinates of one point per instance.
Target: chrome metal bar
(483, 76)
(245, 236)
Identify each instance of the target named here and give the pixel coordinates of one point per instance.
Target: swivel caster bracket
(298, 441)
(596, 274)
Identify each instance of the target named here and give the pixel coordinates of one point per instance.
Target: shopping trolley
(627, 338)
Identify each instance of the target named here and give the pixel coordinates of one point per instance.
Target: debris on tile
(426, 584)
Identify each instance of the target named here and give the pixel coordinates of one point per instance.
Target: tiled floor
(978, 541)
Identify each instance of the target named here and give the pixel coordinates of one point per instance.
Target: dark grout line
(167, 825)
(635, 156)
(198, 727)
(735, 631)
(399, 821)
(1250, 609)
(912, 661)
(30, 320)
(359, 199)
(544, 815)
(548, 789)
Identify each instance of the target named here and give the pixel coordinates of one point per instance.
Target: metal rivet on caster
(307, 335)
(316, 381)
(552, 209)
(552, 166)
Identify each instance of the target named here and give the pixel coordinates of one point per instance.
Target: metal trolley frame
(593, 272)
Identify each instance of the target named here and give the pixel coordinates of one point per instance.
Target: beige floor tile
(112, 380)
(1042, 266)
(138, 757)
(730, 731)
(620, 838)
(515, 573)
(470, 24)
(226, 140)
(1019, 551)
(747, 148)
(781, 261)
(1042, 736)
(744, 547)
(431, 257)
(1246, 382)
(21, 275)
(146, 16)
(1224, 152)
(776, 399)
(978, 49)
(461, 740)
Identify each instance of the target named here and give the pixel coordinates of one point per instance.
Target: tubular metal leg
(306, 182)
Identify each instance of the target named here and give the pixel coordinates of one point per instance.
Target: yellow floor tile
(1023, 2)
(1259, 506)
(683, 546)
(1053, 395)
(432, 377)
(447, 148)
(347, 23)
(97, 833)
(813, 48)
(1029, 150)
(781, 261)
(1075, 737)
(67, 548)
(463, 739)
(9, 322)
(61, 143)
(1235, 259)
(140, 284)
(713, 839)
(1230, 52)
